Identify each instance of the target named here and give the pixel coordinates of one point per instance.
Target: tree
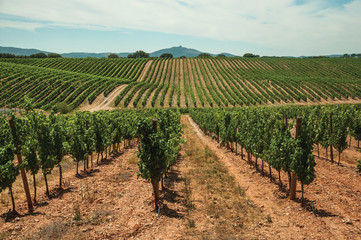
(39, 55)
(7, 55)
(166, 55)
(221, 56)
(204, 55)
(250, 55)
(54, 55)
(113, 55)
(8, 171)
(139, 54)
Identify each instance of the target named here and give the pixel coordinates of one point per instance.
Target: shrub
(63, 108)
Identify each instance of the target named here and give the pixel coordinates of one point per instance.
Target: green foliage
(63, 108)
(113, 55)
(166, 55)
(78, 147)
(204, 55)
(359, 165)
(39, 55)
(250, 55)
(139, 54)
(158, 150)
(303, 162)
(8, 171)
(54, 55)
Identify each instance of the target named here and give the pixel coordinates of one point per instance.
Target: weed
(87, 194)
(188, 193)
(269, 219)
(53, 230)
(191, 223)
(99, 214)
(133, 160)
(77, 214)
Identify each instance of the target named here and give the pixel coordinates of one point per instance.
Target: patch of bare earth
(101, 102)
(108, 202)
(145, 70)
(333, 203)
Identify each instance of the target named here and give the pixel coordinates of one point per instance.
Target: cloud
(29, 26)
(286, 26)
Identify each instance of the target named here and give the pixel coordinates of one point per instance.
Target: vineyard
(196, 82)
(245, 160)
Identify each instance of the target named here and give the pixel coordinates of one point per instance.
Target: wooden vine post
(331, 131)
(22, 171)
(294, 176)
(155, 182)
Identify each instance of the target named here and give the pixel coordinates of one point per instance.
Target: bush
(166, 55)
(113, 55)
(359, 165)
(54, 55)
(63, 108)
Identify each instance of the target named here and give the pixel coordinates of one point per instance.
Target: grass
(211, 191)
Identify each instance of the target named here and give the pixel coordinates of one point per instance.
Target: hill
(21, 51)
(175, 51)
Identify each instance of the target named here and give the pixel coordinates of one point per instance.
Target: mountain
(175, 51)
(182, 51)
(21, 51)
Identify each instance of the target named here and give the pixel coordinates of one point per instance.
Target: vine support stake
(294, 176)
(22, 171)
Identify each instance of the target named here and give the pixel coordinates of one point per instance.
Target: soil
(101, 102)
(333, 202)
(210, 193)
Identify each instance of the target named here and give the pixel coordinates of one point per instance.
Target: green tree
(250, 55)
(54, 55)
(166, 55)
(139, 54)
(39, 55)
(204, 55)
(113, 55)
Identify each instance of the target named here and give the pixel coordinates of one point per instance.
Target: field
(208, 82)
(197, 148)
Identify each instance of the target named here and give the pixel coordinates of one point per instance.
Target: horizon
(277, 28)
(213, 53)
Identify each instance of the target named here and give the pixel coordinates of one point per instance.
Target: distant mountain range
(175, 51)
(21, 51)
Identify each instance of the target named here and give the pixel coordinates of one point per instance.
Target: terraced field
(193, 82)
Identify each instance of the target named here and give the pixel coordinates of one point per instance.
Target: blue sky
(264, 27)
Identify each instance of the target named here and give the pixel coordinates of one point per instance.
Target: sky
(263, 27)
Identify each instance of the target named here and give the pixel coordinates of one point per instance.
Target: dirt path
(145, 70)
(335, 192)
(101, 102)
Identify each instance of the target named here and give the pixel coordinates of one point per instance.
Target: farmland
(195, 82)
(191, 148)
